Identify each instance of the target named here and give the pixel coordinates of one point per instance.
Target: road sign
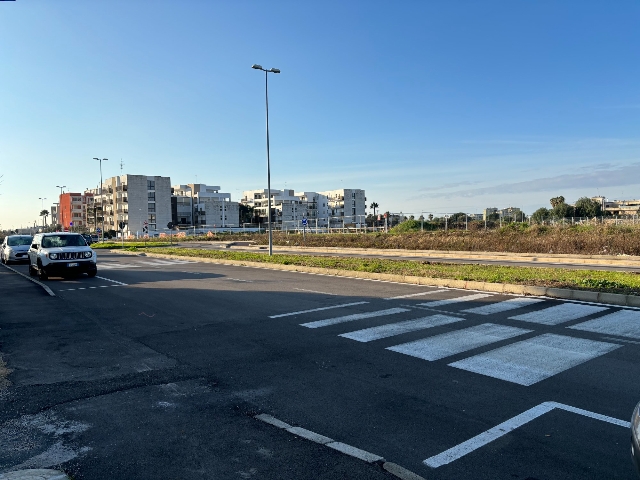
(304, 222)
(98, 230)
(71, 224)
(122, 225)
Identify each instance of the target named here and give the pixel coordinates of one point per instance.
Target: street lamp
(61, 187)
(266, 96)
(101, 200)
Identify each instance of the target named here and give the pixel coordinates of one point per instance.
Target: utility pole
(101, 198)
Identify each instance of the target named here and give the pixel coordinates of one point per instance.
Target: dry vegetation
(590, 240)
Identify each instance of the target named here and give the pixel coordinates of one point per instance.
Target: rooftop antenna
(121, 165)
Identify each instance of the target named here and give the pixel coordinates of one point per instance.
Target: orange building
(73, 209)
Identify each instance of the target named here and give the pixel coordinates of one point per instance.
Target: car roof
(19, 235)
(59, 233)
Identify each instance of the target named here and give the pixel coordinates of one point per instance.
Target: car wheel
(42, 275)
(92, 273)
(31, 270)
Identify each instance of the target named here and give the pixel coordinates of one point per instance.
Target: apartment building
(200, 204)
(339, 207)
(618, 207)
(134, 199)
(346, 206)
(72, 210)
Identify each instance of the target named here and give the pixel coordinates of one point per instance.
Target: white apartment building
(200, 204)
(340, 207)
(135, 199)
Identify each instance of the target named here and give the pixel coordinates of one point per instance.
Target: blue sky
(437, 106)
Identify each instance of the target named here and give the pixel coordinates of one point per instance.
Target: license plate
(72, 264)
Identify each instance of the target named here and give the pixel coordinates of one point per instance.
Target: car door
(33, 250)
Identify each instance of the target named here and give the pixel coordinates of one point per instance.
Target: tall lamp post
(101, 200)
(266, 97)
(61, 187)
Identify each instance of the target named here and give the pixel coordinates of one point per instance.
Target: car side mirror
(34, 246)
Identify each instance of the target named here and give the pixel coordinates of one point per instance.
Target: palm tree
(44, 214)
(374, 205)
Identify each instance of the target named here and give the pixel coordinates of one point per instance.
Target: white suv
(61, 254)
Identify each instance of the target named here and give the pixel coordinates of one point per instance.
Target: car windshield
(63, 241)
(18, 241)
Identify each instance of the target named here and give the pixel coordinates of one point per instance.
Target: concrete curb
(563, 293)
(34, 474)
(46, 289)
(372, 458)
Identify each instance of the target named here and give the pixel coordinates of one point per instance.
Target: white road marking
(354, 317)
(318, 309)
(452, 343)
(505, 306)
(502, 429)
(467, 298)
(112, 265)
(113, 281)
(238, 280)
(621, 340)
(392, 329)
(314, 291)
(414, 295)
(533, 360)
(557, 314)
(624, 323)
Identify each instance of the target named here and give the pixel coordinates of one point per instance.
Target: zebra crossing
(106, 265)
(522, 354)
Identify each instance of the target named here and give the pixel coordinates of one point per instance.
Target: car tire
(31, 270)
(92, 273)
(42, 274)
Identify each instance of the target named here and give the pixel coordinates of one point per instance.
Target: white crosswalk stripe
(414, 295)
(557, 314)
(115, 266)
(354, 317)
(531, 361)
(467, 298)
(624, 323)
(392, 329)
(331, 307)
(452, 343)
(511, 304)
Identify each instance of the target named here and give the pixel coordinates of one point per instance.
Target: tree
(45, 214)
(541, 215)
(555, 201)
(585, 207)
(374, 205)
(430, 217)
(562, 210)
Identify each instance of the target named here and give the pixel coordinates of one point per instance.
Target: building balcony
(121, 188)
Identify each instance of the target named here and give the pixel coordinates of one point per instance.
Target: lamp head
(275, 70)
(95, 158)
(257, 67)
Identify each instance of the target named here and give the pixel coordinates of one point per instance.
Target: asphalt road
(155, 368)
(421, 258)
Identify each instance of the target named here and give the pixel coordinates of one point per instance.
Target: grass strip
(593, 280)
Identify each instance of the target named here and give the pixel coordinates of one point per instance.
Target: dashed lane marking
(452, 343)
(112, 281)
(314, 291)
(392, 329)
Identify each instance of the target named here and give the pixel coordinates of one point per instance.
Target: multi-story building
(54, 213)
(618, 207)
(346, 205)
(340, 207)
(488, 211)
(72, 212)
(134, 199)
(200, 204)
(511, 213)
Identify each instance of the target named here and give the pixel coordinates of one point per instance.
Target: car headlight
(53, 256)
(88, 254)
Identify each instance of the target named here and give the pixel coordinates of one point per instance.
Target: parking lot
(448, 383)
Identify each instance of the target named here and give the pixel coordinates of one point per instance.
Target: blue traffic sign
(98, 230)
(304, 222)
(71, 224)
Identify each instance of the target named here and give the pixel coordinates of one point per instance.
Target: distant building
(488, 211)
(72, 212)
(618, 207)
(200, 204)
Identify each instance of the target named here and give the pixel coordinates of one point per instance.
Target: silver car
(15, 248)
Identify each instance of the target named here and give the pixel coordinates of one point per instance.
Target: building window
(353, 194)
(353, 211)
(151, 196)
(151, 185)
(152, 207)
(152, 218)
(353, 203)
